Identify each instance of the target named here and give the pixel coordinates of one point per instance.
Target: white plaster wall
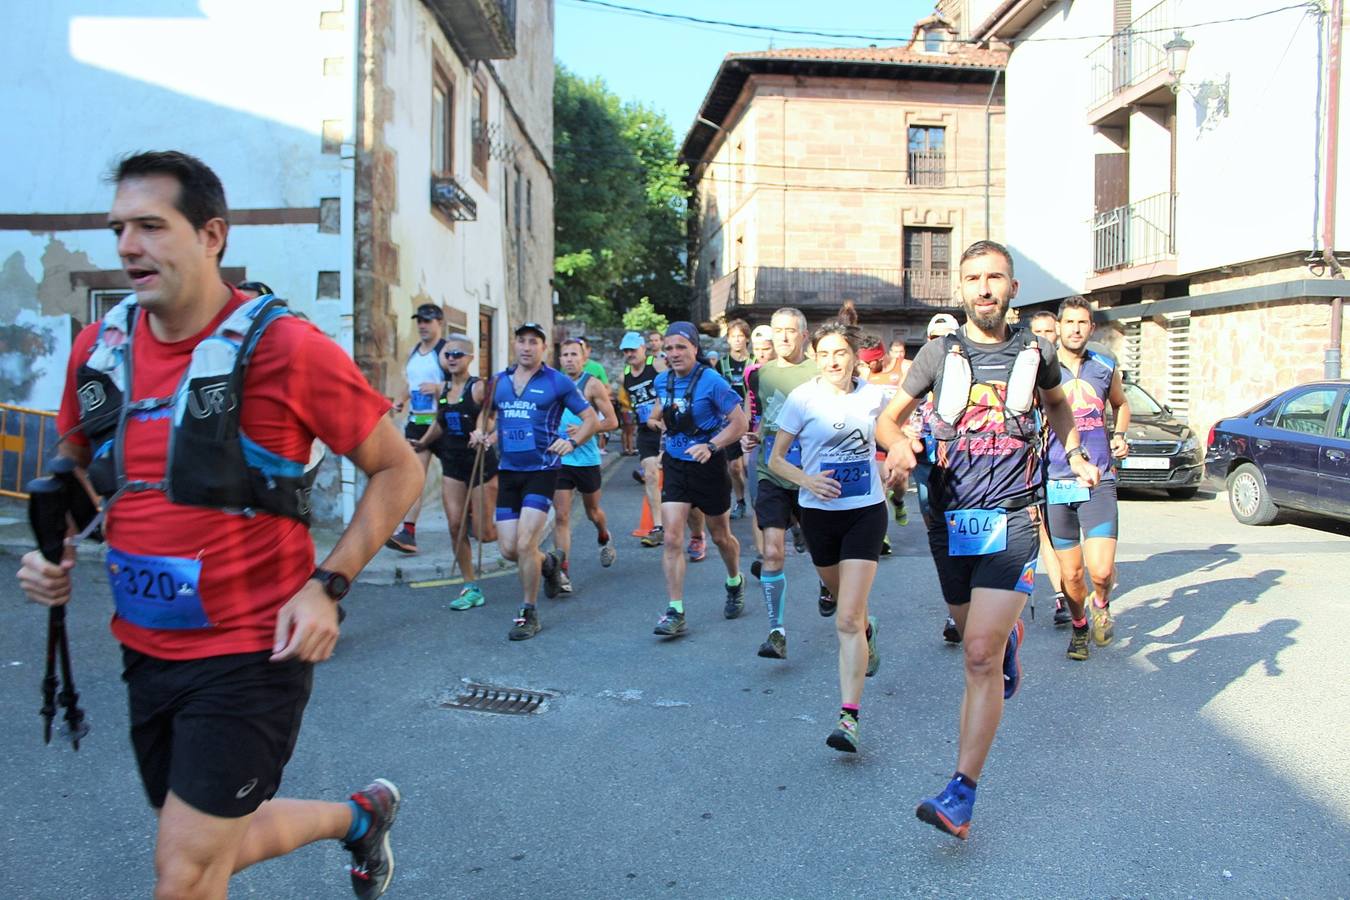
(529, 74)
(1049, 150)
(204, 77)
(461, 267)
(1245, 181)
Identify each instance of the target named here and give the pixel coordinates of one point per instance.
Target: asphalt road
(1205, 754)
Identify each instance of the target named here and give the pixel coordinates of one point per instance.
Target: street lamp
(1212, 95)
(1178, 51)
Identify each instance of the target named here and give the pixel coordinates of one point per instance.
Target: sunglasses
(454, 354)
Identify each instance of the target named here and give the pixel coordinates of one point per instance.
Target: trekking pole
(48, 506)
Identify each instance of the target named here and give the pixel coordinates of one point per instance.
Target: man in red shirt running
(220, 610)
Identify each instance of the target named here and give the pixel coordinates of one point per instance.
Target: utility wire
(774, 29)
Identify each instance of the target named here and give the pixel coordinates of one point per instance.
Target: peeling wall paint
(33, 354)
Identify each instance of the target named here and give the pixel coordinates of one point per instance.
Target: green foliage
(644, 318)
(620, 204)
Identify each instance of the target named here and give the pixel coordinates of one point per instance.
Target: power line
(839, 35)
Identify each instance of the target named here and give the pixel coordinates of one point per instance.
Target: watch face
(338, 586)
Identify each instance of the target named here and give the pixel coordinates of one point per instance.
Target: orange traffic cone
(646, 525)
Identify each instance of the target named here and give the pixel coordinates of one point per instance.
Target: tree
(644, 318)
(620, 205)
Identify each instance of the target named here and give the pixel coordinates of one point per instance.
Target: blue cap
(631, 341)
(685, 330)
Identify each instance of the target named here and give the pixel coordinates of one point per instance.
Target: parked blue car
(1289, 452)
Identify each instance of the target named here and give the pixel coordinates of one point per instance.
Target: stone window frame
(442, 79)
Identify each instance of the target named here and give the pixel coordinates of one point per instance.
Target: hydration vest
(211, 461)
(681, 421)
(952, 392)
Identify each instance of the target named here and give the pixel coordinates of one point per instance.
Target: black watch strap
(335, 584)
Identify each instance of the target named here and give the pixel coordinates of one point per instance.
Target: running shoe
(1012, 660)
(564, 583)
(608, 554)
(697, 549)
(551, 568)
(886, 545)
(1078, 644)
(844, 738)
(1103, 629)
(738, 511)
(526, 624)
(403, 541)
(898, 508)
(798, 539)
(949, 811)
(873, 657)
(775, 645)
(372, 865)
(950, 633)
(637, 476)
(670, 624)
(735, 604)
(1062, 615)
(757, 566)
(826, 602)
(654, 538)
(468, 599)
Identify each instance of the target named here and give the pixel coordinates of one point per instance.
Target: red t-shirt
(299, 386)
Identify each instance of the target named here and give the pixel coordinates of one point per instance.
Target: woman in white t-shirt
(843, 508)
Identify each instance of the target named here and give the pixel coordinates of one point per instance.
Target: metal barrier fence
(27, 438)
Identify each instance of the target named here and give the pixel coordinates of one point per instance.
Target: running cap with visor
(428, 311)
(532, 326)
(942, 324)
(632, 341)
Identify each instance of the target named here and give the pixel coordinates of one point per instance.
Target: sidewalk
(432, 562)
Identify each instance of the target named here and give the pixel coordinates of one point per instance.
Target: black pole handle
(47, 508)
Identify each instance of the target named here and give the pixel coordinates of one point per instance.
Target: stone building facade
(1199, 229)
(827, 175)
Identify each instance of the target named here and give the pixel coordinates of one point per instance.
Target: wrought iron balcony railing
(1137, 234)
(1131, 55)
(873, 289)
(449, 196)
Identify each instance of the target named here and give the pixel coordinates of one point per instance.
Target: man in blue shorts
(1090, 381)
(692, 404)
(984, 490)
(523, 418)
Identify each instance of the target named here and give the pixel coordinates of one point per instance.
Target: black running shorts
(704, 486)
(775, 506)
(1011, 569)
(833, 535)
(648, 442)
(524, 490)
(216, 731)
(413, 431)
(734, 452)
(585, 479)
(458, 463)
(1095, 517)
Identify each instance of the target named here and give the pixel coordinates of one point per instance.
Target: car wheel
(1183, 493)
(1248, 497)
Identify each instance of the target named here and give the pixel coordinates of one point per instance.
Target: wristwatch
(335, 584)
(1076, 451)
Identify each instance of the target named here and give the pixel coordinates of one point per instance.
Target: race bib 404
(976, 532)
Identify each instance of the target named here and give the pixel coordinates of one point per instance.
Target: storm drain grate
(492, 698)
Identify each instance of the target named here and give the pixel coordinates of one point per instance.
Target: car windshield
(1141, 404)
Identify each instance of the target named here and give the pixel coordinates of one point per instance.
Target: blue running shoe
(1012, 661)
(949, 811)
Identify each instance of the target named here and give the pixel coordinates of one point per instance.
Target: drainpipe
(1332, 361)
(989, 149)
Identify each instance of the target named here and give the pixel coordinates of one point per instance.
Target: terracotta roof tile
(963, 58)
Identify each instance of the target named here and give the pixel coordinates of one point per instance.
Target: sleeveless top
(460, 418)
(588, 454)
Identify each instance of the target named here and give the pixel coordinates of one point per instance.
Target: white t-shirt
(838, 432)
(421, 368)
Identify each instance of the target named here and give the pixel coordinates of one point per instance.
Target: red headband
(872, 354)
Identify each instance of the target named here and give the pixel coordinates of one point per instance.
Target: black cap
(429, 311)
(532, 326)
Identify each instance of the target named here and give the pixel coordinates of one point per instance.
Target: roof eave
(1007, 21)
